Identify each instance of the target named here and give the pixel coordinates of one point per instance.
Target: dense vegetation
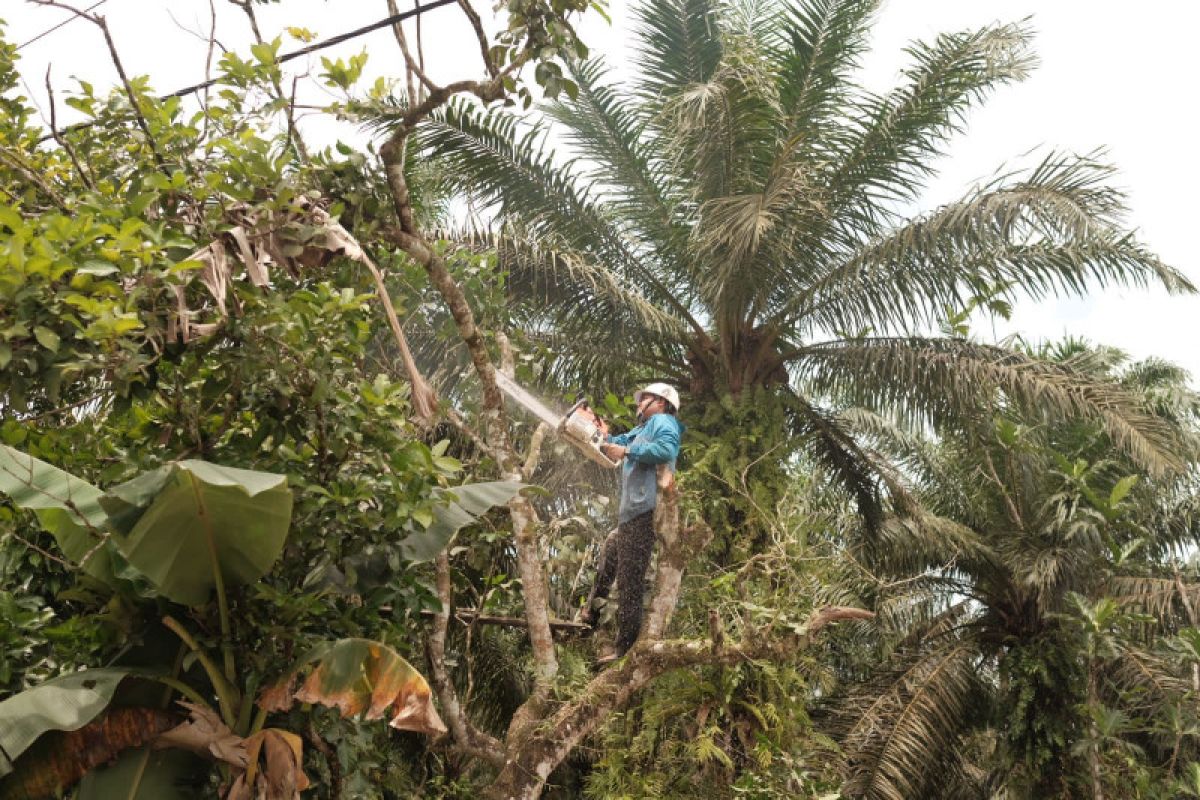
(238, 508)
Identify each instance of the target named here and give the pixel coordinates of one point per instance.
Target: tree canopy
(254, 543)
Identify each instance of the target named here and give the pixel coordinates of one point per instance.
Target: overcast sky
(1112, 74)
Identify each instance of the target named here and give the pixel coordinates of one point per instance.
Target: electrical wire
(66, 21)
(330, 42)
(312, 48)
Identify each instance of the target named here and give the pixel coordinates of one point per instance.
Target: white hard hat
(663, 390)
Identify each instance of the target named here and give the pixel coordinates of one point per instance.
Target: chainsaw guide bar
(577, 426)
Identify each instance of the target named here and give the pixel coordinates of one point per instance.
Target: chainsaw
(580, 426)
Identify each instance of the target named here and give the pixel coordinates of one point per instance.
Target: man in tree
(626, 556)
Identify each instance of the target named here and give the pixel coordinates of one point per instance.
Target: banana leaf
(65, 703)
(180, 523)
(459, 507)
(66, 506)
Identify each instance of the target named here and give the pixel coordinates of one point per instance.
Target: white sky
(1113, 74)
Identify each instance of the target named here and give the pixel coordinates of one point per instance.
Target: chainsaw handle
(582, 405)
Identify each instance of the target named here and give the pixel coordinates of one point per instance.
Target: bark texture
(525, 771)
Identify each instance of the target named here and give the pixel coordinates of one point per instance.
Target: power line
(312, 48)
(66, 21)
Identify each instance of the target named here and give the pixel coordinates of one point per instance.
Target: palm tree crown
(735, 218)
(1014, 609)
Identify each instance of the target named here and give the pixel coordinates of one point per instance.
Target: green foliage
(735, 454)
(1065, 549)
(715, 220)
(1045, 686)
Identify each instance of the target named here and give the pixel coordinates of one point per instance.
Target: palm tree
(1039, 606)
(737, 219)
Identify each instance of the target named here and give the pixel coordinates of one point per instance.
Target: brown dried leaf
(283, 765)
(215, 275)
(255, 262)
(338, 239)
(274, 771)
(206, 735)
(278, 698)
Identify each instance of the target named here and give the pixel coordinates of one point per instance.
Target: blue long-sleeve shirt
(654, 442)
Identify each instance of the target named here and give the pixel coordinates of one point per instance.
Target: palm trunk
(1094, 765)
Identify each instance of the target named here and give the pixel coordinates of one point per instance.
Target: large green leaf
(172, 523)
(461, 506)
(68, 507)
(165, 775)
(61, 704)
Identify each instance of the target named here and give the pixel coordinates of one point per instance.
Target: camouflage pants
(626, 557)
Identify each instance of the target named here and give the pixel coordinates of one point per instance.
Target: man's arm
(623, 439)
(662, 447)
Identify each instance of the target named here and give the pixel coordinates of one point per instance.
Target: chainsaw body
(581, 427)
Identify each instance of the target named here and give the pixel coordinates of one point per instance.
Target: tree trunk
(530, 763)
(1094, 765)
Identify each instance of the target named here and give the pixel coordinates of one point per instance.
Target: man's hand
(613, 451)
(595, 419)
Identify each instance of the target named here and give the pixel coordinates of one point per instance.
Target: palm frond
(571, 361)
(612, 131)
(860, 472)
(678, 44)
(514, 173)
(1167, 390)
(566, 291)
(925, 543)
(892, 153)
(1155, 595)
(947, 381)
(744, 241)
(720, 133)
(1148, 679)
(1049, 232)
(491, 159)
(820, 43)
(894, 749)
(907, 450)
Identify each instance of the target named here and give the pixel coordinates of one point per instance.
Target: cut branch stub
(361, 678)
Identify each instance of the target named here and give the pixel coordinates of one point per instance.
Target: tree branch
(477, 25)
(465, 735)
(70, 151)
(511, 622)
(99, 21)
(534, 454)
(411, 66)
(18, 163)
(526, 771)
